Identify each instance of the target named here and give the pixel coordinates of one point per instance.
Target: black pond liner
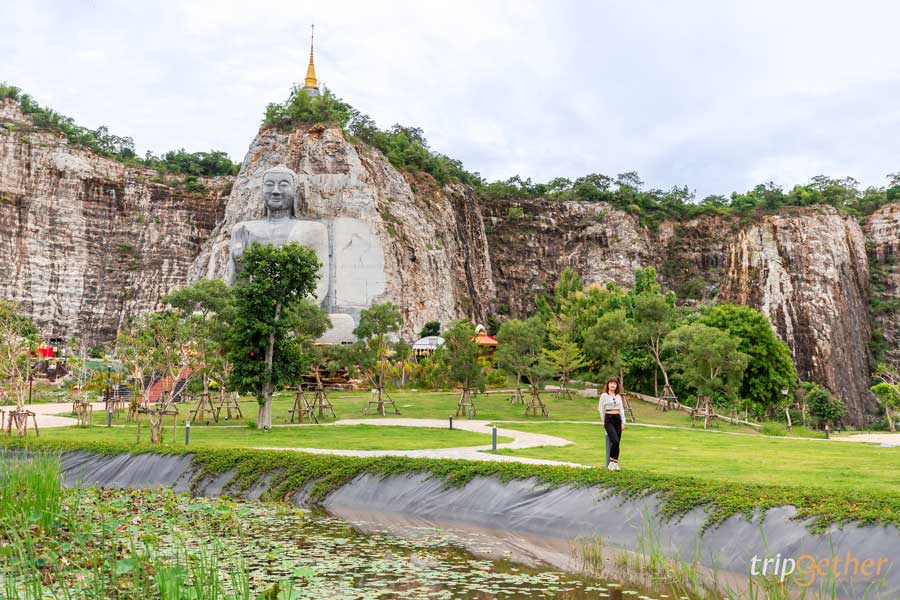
(526, 507)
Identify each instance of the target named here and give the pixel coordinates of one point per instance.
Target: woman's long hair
(618, 387)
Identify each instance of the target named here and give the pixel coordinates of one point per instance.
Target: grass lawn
(740, 459)
(441, 405)
(344, 437)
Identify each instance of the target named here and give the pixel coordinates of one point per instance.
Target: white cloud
(715, 95)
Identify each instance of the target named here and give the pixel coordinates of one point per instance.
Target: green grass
(343, 437)
(442, 405)
(738, 459)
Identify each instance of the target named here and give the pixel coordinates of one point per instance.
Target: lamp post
(787, 409)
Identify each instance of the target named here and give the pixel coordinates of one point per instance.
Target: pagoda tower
(311, 84)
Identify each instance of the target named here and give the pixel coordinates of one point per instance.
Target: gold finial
(311, 69)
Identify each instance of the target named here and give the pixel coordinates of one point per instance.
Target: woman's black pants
(613, 426)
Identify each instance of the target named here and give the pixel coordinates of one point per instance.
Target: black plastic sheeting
(564, 512)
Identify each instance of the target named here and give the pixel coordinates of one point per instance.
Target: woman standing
(612, 413)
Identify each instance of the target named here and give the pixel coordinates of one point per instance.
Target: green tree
(376, 325)
(887, 390)
(770, 367)
(461, 356)
(605, 342)
(265, 351)
(207, 309)
(519, 345)
(18, 343)
(564, 355)
(653, 316)
(824, 407)
(135, 349)
(430, 328)
(707, 358)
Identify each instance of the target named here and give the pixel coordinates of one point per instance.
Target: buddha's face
(278, 191)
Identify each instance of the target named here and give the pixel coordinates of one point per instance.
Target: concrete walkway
(520, 440)
(47, 414)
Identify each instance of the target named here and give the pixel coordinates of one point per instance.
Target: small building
(427, 345)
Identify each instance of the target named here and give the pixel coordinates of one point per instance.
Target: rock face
(809, 274)
(429, 240)
(86, 241)
(882, 229)
(805, 269)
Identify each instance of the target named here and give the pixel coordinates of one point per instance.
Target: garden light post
(451, 423)
(493, 438)
(187, 432)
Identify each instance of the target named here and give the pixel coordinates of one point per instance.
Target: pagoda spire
(311, 85)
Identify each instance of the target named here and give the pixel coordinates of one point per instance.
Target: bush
(496, 378)
(772, 428)
(824, 407)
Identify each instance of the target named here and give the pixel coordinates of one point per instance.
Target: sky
(716, 95)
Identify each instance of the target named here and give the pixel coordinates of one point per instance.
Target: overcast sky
(714, 95)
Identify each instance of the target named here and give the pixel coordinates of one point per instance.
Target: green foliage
(405, 147)
(707, 359)
(301, 108)
(101, 141)
(265, 350)
(824, 407)
(651, 206)
(564, 356)
(607, 340)
(460, 356)
(18, 343)
(770, 367)
(207, 309)
(519, 346)
(370, 353)
(430, 328)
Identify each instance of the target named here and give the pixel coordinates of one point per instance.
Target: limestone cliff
(805, 269)
(882, 229)
(430, 240)
(87, 241)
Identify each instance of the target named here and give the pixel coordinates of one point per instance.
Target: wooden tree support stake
(228, 401)
(517, 396)
(378, 399)
(18, 418)
(204, 409)
(704, 410)
(535, 404)
(466, 405)
(302, 408)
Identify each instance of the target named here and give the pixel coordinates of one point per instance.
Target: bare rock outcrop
(435, 253)
(87, 241)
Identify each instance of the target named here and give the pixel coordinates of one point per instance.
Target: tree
(207, 309)
(564, 355)
(887, 390)
(653, 315)
(134, 349)
(430, 328)
(402, 354)
(265, 354)
(824, 407)
(18, 344)
(519, 347)
(376, 324)
(606, 341)
(770, 367)
(707, 358)
(461, 356)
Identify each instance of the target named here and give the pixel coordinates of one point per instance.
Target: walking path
(520, 440)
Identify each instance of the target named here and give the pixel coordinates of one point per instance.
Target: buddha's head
(279, 189)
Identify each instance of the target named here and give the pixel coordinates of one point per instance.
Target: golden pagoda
(311, 85)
